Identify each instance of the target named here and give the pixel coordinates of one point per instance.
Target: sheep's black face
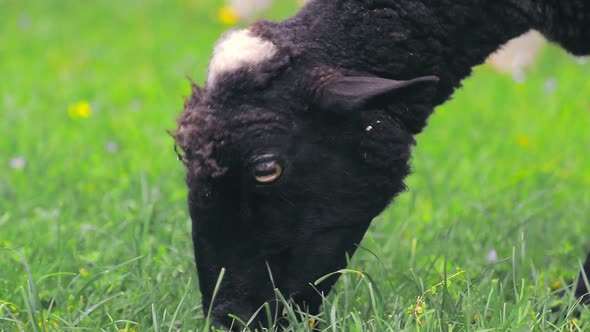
(279, 196)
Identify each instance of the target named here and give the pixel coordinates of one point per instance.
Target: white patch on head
(238, 49)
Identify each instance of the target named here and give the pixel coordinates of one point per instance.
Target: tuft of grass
(94, 233)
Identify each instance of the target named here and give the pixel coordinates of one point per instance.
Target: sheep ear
(350, 93)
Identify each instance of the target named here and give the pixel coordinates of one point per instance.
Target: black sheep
(304, 130)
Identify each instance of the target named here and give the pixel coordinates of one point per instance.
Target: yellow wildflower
(84, 273)
(554, 286)
(49, 322)
(80, 110)
(523, 141)
(229, 15)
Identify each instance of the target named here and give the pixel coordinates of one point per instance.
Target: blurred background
(94, 231)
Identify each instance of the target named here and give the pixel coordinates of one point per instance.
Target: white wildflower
(111, 147)
(551, 85)
(492, 256)
(18, 163)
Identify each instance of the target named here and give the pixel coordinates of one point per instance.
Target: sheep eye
(266, 169)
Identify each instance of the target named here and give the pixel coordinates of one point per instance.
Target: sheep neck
(403, 39)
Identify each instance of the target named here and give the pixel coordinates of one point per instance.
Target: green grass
(97, 240)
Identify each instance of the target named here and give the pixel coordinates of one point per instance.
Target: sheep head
(287, 164)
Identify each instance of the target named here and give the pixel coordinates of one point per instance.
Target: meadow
(94, 230)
